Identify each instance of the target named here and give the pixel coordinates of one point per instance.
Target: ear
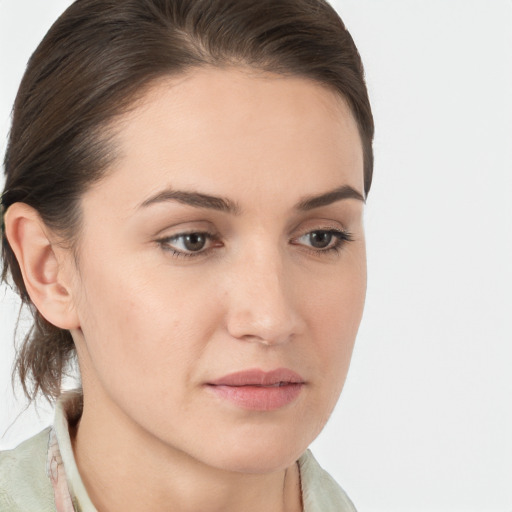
(44, 266)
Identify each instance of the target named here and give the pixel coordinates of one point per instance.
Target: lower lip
(259, 398)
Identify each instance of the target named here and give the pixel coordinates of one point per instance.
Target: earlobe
(40, 265)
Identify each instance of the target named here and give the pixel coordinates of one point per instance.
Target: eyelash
(164, 244)
(342, 237)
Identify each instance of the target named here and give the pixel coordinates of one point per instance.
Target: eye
(188, 244)
(320, 239)
(324, 240)
(192, 242)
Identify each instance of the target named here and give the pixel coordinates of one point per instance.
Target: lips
(259, 390)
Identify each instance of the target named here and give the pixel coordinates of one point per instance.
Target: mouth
(258, 390)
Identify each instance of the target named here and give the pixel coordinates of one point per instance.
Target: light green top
(29, 475)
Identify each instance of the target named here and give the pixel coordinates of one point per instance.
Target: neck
(125, 468)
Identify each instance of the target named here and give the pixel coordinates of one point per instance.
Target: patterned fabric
(57, 475)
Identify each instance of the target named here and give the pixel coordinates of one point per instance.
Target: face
(221, 272)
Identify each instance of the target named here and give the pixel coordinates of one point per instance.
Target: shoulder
(24, 486)
(320, 492)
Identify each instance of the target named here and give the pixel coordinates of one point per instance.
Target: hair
(92, 65)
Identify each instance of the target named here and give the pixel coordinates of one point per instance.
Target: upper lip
(256, 377)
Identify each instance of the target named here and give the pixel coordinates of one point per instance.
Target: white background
(425, 420)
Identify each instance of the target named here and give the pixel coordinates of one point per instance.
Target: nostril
(258, 332)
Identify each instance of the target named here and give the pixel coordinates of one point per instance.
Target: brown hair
(90, 67)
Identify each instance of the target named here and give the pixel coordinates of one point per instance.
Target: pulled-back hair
(96, 60)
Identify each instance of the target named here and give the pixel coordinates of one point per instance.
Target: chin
(263, 462)
(258, 453)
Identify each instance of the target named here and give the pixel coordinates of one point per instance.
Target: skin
(151, 329)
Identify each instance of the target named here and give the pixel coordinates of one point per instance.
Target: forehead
(236, 131)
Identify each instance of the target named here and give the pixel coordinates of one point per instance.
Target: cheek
(139, 322)
(335, 300)
(335, 312)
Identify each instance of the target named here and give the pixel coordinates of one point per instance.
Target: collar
(68, 488)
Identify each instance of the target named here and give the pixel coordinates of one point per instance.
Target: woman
(185, 182)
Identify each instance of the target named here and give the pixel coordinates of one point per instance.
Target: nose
(262, 306)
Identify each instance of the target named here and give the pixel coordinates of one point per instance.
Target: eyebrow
(226, 205)
(338, 194)
(195, 199)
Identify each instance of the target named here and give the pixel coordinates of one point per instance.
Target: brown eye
(320, 239)
(194, 241)
(323, 241)
(189, 244)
